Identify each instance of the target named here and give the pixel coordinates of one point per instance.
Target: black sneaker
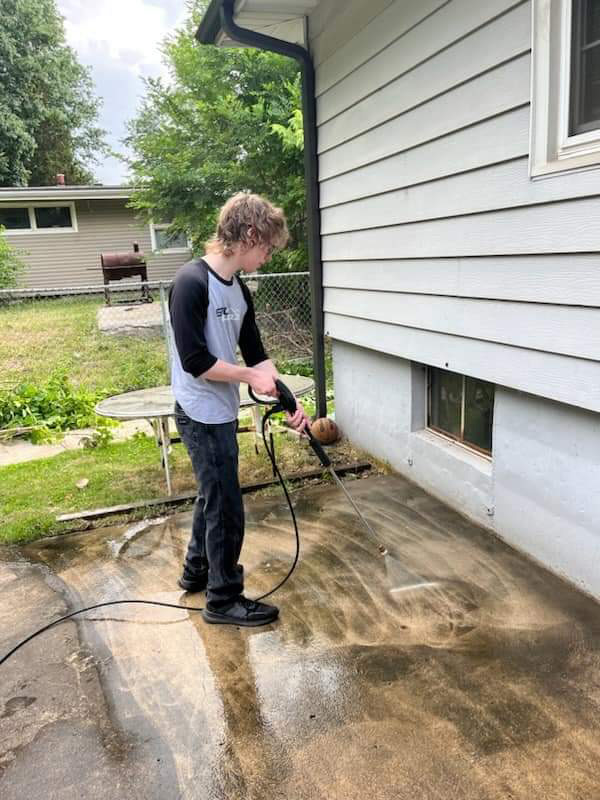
(241, 612)
(193, 581)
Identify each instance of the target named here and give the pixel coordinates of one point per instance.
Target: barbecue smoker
(116, 266)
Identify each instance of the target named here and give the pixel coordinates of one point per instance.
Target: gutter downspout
(263, 42)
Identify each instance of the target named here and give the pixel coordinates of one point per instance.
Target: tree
(48, 111)
(226, 121)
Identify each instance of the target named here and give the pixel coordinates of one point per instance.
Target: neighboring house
(459, 183)
(61, 231)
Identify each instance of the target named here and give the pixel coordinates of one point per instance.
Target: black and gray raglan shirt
(209, 318)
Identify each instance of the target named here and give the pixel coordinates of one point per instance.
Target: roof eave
(64, 193)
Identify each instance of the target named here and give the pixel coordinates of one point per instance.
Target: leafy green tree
(228, 120)
(11, 266)
(48, 111)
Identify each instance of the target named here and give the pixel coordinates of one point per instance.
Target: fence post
(166, 326)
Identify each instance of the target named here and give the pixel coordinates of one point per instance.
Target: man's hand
(299, 421)
(262, 382)
(269, 367)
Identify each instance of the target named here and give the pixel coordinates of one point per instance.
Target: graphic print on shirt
(228, 314)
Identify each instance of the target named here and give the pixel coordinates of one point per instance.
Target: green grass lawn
(35, 492)
(41, 337)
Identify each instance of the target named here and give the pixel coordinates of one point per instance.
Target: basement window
(461, 408)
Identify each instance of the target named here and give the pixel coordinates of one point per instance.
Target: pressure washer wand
(287, 402)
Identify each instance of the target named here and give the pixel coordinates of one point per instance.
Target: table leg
(160, 426)
(257, 420)
(166, 442)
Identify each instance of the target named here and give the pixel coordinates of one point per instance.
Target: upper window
(462, 408)
(39, 218)
(565, 102)
(15, 219)
(164, 241)
(585, 67)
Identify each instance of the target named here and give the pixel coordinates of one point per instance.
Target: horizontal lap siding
(468, 58)
(571, 280)
(502, 89)
(568, 227)
(550, 328)
(383, 31)
(506, 186)
(501, 138)
(567, 380)
(434, 236)
(333, 23)
(73, 259)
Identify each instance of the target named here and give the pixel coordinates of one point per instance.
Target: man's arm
(253, 351)
(188, 305)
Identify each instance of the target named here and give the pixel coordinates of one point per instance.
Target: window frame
(552, 149)
(161, 226)
(473, 448)
(588, 127)
(33, 229)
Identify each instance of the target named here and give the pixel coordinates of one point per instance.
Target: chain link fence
(118, 342)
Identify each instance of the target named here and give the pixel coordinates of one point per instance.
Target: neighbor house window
(462, 408)
(163, 240)
(565, 102)
(39, 218)
(15, 219)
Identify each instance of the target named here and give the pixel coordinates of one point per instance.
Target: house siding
(439, 249)
(432, 229)
(73, 259)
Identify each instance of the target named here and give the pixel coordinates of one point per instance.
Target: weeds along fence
(103, 344)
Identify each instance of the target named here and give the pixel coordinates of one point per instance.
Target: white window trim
(551, 149)
(162, 226)
(33, 230)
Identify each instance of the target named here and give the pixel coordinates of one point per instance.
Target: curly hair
(248, 219)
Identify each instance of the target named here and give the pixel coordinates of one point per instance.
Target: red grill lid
(121, 259)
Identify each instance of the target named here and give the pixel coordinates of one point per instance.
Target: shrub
(50, 408)
(11, 266)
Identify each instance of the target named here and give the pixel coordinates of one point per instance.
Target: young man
(211, 313)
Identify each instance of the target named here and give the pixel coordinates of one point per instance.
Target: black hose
(174, 605)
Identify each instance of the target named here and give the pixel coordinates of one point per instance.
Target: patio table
(157, 405)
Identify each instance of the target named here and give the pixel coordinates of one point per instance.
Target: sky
(119, 40)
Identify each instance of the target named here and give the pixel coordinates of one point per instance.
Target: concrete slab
(16, 451)
(136, 318)
(481, 684)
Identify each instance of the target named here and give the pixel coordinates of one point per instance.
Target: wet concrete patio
(482, 684)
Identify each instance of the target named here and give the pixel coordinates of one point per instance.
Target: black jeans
(218, 521)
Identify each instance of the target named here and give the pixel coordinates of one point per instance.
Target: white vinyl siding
(530, 279)
(502, 89)
(382, 100)
(437, 246)
(562, 378)
(73, 259)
